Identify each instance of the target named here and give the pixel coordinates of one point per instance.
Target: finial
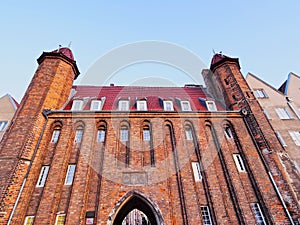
(69, 45)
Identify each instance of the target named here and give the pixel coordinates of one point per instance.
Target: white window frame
(280, 138)
(78, 135)
(146, 134)
(295, 136)
(228, 132)
(239, 163)
(123, 105)
(55, 135)
(206, 215)
(168, 105)
(70, 174)
(141, 105)
(57, 219)
(197, 171)
(260, 93)
(77, 105)
(124, 134)
(211, 105)
(185, 105)
(283, 113)
(3, 125)
(101, 135)
(27, 218)
(43, 176)
(259, 217)
(188, 134)
(96, 105)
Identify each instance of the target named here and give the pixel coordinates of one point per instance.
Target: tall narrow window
(206, 215)
(295, 136)
(70, 174)
(168, 105)
(124, 134)
(146, 134)
(95, 105)
(239, 162)
(60, 219)
(283, 113)
(211, 106)
(188, 134)
(280, 138)
(77, 105)
(185, 106)
(258, 214)
(141, 105)
(29, 220)
(197, 171)
(3, 125)
(55, 135)
(101, 135)
(78, 135)
(43, 176)
(123, 105)
(228, 132)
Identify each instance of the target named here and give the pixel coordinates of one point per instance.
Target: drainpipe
(45, 114)
(269, 173)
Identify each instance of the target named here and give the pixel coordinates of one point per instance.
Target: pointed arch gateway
(135, 200)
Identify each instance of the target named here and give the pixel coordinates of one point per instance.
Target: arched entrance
(135, 200)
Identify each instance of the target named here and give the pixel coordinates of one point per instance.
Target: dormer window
(141, 105)
(185, 105)
(96, 105)
(123, 105)
(77, 105)
(168, 105)
(211, 106)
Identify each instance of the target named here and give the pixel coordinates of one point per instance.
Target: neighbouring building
(281, 107)
(142, 155)
(8, 107)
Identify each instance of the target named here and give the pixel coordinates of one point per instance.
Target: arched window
(101, 134)
(188, 133)
(57, 125)
(78, 135)
(55, 135)
(146, 133)
(124, 133)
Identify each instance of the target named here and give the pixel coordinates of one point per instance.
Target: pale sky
(264, 35)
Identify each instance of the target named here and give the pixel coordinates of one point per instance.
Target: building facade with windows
(8, 107)
(282, 109)
(141, 155)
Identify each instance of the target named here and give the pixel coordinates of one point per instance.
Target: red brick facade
(112, 177)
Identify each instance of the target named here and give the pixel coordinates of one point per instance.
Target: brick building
(281, 107)
(172, 155)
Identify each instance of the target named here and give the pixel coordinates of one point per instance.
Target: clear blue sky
(265, 35)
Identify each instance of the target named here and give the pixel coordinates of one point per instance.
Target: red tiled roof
(152, 94)
(66, 51)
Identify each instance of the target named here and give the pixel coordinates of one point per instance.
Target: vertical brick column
(226, 83)
(49, 89)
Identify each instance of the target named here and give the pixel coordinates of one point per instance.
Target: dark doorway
(137, 203)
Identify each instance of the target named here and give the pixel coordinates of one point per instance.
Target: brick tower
(111, 154)
(225, 81)
(49, 89)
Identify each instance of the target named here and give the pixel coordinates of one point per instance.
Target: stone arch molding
(135, 200)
